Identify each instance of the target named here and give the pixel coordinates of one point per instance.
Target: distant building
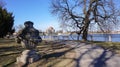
(50, 30)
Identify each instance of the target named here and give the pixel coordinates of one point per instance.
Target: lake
(94, 37)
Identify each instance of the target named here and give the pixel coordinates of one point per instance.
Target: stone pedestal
(27, 57)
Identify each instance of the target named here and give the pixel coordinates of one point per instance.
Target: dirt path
(88, 55)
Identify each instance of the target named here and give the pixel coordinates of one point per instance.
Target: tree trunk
(85, 31)
(84, 35)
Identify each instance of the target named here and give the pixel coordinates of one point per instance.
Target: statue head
(28, 24)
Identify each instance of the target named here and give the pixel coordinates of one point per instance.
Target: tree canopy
(79, 14)
(6, 22)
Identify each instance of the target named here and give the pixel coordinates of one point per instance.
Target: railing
(91, 37)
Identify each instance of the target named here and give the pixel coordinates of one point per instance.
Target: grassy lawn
(9, 50)
(113, 46)
(54, 54)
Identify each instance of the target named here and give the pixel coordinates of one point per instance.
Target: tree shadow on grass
(13, 49)
(97, 61)
(55, 54)
(6, 41)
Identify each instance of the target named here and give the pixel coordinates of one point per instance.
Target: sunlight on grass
(53, 53)
(114, 46)
(9, 50)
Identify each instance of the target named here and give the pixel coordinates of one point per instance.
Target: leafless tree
(20, 27)
(81, 13)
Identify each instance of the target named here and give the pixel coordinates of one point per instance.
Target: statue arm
(20, 34)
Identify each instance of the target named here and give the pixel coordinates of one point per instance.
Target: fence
(91, 37)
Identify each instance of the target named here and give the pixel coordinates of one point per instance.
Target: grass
(106, 45)
(9, 50)
(113, 46)
(49, 50)
(54, 54)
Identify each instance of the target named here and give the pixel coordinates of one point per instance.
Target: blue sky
(37, 11)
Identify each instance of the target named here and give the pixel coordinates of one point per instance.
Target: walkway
(88, 55)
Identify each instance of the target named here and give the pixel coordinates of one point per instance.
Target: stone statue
(29, 38)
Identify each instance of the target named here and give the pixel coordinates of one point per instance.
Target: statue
(29, 38)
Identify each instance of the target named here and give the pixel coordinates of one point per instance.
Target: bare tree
(20, 27)
(81, 13)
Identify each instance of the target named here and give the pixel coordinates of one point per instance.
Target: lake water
(105, 37)
(94, 37)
